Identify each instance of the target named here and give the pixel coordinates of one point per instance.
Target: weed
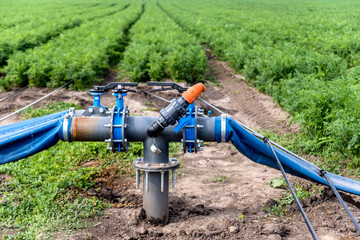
(282, 207)
(215, 83)
(219, 179)
(150, 109)
(278, 182)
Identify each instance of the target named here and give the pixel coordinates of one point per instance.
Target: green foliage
(47, 108)
(278, 182)
(221, 179)
(160, 49)
(305, 55)
(282, 207)
(78, 54)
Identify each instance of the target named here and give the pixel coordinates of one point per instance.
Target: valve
(119, 91)
(118, 114)
(182, 110)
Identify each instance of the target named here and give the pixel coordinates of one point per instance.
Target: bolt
(162, 164)
(101, 110)
(147, 164)
(155, 149)
(91, 110)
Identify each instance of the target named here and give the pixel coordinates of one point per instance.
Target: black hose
(12, 94)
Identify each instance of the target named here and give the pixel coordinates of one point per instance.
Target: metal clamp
(223, 127)
(67, 124)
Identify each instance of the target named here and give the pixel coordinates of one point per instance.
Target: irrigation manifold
(181, 121)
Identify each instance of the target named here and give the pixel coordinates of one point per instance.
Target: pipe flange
(125, 116)
(189, 140)
(112, 145)
(124, 144)
(195, 130)
(172, 164)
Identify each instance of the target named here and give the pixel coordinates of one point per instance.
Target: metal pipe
(90, 129)
(136, 132)
(96, 128)
(156, 184)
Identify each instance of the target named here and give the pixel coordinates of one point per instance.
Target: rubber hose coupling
(176, 109)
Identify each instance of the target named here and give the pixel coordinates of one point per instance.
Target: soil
(219, 193)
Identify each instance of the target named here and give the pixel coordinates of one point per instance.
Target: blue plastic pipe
(26, 138)
(257, 151)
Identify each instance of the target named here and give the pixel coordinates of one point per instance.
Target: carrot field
(305, 55)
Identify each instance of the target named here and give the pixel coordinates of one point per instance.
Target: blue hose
(257, 151)
(26, 138)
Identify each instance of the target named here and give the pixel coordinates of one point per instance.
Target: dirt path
(215, 186)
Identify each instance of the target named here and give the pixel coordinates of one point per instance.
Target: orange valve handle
(194, 92)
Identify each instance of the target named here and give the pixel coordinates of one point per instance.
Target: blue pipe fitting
(97, 99)
(118, 123)
(119, 100)
(189, 126)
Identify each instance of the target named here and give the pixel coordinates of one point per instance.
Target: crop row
(78, 54)
(160, 49)
(307, 56)
(17, 12)
(45, 26)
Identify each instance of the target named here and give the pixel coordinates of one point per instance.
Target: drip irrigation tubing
(42, 98)
(13, 94)
(310, 227)
(165, 100)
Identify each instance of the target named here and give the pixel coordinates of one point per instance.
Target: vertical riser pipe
(156, 202)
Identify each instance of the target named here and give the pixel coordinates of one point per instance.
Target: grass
(45, 193)
(221, 179)
(283, 203)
